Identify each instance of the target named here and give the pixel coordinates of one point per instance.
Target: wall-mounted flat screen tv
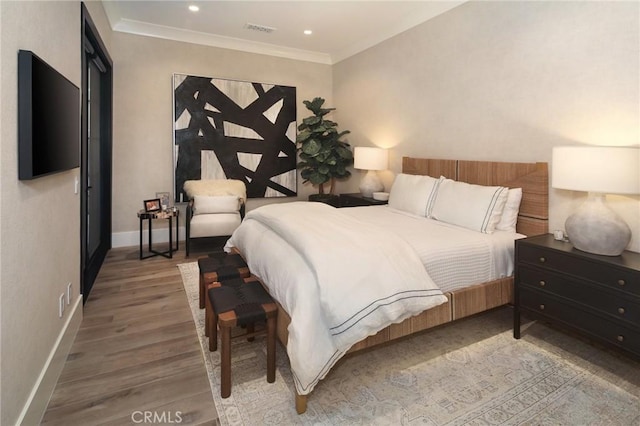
(48, 119)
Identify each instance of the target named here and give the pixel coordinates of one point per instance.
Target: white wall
(143, 111)
(39, 219)
(503, 81)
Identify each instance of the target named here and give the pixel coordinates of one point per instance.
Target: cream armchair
(216, 207)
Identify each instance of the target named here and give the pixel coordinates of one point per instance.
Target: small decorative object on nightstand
(357, 200)
(381, 196)
(164, 198)
(598, 296)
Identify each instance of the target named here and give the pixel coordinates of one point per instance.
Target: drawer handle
(542, 307)
(621, 311)
(542, 259)
(621, 282)
(620, 338)
(542, 283)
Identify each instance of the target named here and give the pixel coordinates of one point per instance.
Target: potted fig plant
(324, 157)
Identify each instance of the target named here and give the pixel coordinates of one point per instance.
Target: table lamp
(598, 170)
(370, 159)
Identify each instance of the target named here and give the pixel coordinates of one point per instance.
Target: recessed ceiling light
(308, 32)
(194, 8)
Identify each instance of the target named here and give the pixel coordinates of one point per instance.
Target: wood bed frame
(532, 220)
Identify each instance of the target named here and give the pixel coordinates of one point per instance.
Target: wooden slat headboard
(533, 178)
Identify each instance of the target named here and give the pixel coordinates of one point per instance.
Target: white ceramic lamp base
(597, 229)
(371, 183)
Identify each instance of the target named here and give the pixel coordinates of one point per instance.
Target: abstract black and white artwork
(228, 129)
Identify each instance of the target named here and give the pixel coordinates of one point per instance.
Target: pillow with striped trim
(413, 193)
(475, 207)
(510, 212)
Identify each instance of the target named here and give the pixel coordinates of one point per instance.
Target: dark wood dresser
(598, 296)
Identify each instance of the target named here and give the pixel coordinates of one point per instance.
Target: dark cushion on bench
(225, 265)
(245, 299)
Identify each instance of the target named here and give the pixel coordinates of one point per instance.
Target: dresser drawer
(610, 276)
(595, 296)
(597, 326)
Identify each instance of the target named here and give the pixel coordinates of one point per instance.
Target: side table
(150, 216)
(357, 200)
(598, 296)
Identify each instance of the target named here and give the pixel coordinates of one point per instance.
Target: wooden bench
(220, 266)
(239, 302)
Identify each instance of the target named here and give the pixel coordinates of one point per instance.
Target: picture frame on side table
(164, 198)
(152, 205)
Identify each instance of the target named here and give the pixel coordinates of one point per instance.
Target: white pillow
(475, 207)
(413, 193)
(205, 204)
(510, 212)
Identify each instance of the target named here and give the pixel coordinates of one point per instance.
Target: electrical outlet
(69, 294)
(61, 305)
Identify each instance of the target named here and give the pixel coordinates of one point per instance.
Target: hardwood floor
(136, 351)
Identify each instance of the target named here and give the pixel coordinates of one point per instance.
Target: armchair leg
(187, 228)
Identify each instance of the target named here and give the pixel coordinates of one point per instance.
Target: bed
(315, 347)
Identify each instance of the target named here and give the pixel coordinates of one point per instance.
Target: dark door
(96, 153)
(94, 163)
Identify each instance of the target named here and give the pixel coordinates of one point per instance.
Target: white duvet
(339, 278)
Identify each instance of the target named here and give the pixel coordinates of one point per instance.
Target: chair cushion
(214, 225)
(205, 204)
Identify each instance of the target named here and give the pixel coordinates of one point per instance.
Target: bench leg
(213, 332)
(225, 362)
(207, 315)
(202, 292)
(251, 328)
(271, 349)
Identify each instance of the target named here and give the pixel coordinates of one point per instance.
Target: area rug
(470, 372)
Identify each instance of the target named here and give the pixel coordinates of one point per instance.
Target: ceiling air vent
(260, 28)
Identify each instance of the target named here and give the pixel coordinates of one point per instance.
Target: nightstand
(598, 296)
(357, 200)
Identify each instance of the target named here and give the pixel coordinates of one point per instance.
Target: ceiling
(340, 28)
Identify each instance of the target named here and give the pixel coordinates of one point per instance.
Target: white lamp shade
(607, 170)
(370, 158)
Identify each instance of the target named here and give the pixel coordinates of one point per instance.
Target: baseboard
(41, 393)
(132, 238)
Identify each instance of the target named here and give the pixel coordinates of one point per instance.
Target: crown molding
(187, 36)
(120, 24)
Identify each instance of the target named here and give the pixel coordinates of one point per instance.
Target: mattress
(454, 257)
